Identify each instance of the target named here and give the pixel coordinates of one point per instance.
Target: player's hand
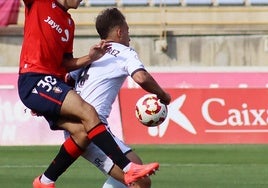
(98, 50)
(34, 113)
(69, 80)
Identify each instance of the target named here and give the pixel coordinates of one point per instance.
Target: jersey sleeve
(76, 73)
(133, 63)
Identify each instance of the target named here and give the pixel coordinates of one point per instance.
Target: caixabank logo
(176, 115)
(203, 116)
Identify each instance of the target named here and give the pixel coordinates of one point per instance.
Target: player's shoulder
(119, 50)
(122, 47)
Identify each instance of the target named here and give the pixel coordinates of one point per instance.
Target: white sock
(113, 183)
(126, 168)
(45, 180)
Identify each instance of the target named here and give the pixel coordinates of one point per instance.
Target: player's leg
(130, 174)
(141, 183)
(94, 155)
(68, 153)
(145, 182)
(51, 97)
(115, 175)
(113, 183)
(44, 94)
(75, 106)
(97, 157)
(133, 157)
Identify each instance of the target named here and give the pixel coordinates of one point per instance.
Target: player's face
(124, 38)
(72, 3)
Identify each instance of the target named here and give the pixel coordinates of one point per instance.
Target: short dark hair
(107, 20)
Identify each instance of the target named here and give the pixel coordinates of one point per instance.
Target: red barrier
(201, 116)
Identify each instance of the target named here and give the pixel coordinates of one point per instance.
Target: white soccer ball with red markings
(150, 111)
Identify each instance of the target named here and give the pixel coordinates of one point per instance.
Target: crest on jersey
(53, 5)
(57, 89)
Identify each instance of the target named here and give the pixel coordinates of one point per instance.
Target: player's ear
(119, 32)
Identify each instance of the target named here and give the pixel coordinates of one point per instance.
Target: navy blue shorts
(43, 94)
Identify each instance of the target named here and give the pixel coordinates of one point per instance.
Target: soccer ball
(150, 111)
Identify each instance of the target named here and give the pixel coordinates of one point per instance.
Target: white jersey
(100, 83)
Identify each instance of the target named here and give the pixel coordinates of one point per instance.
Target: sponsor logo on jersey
(58, 28)
(53, 5)
(34, 91)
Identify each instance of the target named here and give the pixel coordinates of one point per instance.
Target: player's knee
(89, 116)
(79, 135)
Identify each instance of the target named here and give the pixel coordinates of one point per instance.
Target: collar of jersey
(61, 6)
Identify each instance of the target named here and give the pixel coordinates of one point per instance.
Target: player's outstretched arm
(148, 83)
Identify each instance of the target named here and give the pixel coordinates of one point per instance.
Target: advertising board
(201, 116)
(206, 107)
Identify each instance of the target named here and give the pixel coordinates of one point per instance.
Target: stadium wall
(171, 36)
(229, 50)
(211, 51)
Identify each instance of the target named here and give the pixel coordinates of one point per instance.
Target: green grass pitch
(181, 166)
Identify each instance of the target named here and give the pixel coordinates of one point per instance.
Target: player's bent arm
(96, 51)
(148, 83)
(71, 63)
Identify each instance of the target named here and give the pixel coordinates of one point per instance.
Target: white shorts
(97, 157)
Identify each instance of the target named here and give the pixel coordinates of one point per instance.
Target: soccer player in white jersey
(99, 84)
